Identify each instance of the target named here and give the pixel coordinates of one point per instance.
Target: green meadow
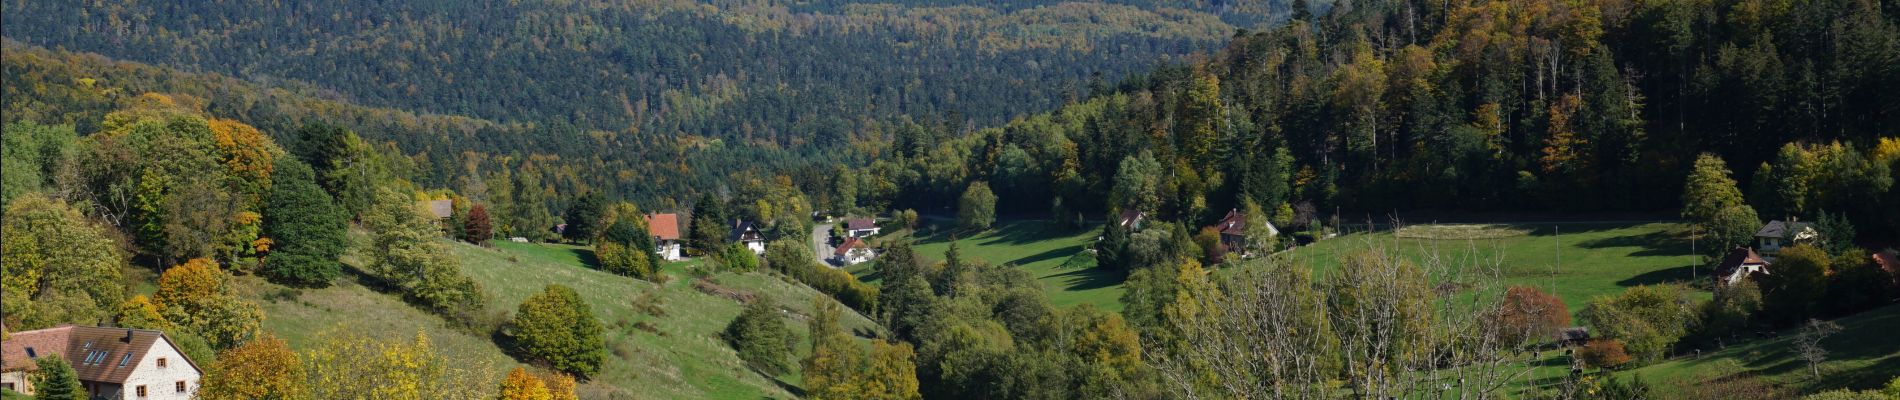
(673, 353)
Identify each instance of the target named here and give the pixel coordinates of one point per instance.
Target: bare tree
(1386, 327)
(1808, 343)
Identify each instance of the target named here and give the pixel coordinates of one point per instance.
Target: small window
(125, 360)
(181, 386)
(141, 391)
(161, 362)
(6, 385)
(30, 353)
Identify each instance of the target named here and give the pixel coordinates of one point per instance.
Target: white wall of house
(757, 247)
(863, 232)
(16, 381)
(161, 383)
(669, 250)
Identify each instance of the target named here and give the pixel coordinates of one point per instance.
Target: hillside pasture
(674, 352)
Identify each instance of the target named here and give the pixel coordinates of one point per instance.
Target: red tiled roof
(1737, 258)
(13, 354)
(664, 226)
(860, 223)
(849, 244)
(106, 347)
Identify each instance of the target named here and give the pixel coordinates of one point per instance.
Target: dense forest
(733, 70)
(1493, 105)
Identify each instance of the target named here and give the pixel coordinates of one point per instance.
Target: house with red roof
(665, 229)
(112, 363)
(1742, 262)
(852, 252)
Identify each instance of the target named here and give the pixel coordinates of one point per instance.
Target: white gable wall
(162, 383)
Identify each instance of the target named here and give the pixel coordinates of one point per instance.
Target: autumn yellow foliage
(264, 368)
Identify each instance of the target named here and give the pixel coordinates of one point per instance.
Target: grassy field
(1863, 355)
(1584, 261)
(676, 353)
(1035, 246)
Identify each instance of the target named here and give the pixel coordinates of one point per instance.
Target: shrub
(761, 338)
(1603, 353)
(557, 328)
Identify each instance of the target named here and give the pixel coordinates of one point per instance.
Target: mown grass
(1584, 261)
(1864, 355)
(675, 353)
(1044, 250)
(1575, 261)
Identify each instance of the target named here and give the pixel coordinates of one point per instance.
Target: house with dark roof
(665, 229)
(1572, 336)
(852, 252)
(1777, 234)
(1740, 263)
(744, 232)
(861, 227)
(112, 363)
(1233, 231)
(1131, 219)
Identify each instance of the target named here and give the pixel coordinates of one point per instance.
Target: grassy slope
(1863, 355)
(685, 360)
(1597, 259)
(1587, 260)
(1034, 246)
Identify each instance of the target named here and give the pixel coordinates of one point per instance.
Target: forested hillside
(1390, 106)
(774, 72)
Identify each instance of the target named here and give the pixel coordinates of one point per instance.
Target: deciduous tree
(1794, 289)
(197, 296)
(1709, 190)
(478, 228)
(264, 368)
(405, 253)
(1528, 313)
(556, 327)
(519, 385)
(55, 266)
(976, 210)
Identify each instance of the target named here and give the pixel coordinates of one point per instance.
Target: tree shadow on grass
(1059, 253)
(797, 392)
(1653, 244)
(1092, 278)
(587, 257)
(1661, 276)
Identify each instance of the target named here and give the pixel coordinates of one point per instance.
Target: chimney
(128, 336)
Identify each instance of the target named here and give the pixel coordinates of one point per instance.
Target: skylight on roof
(125, 360)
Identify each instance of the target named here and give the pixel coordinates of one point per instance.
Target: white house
(860, 227)
(1740, 263)
(1777, 234)
(852, 252)
(745, 233)
(112, 363)
(665, 229)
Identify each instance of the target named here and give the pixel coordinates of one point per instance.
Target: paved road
(820, 250)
